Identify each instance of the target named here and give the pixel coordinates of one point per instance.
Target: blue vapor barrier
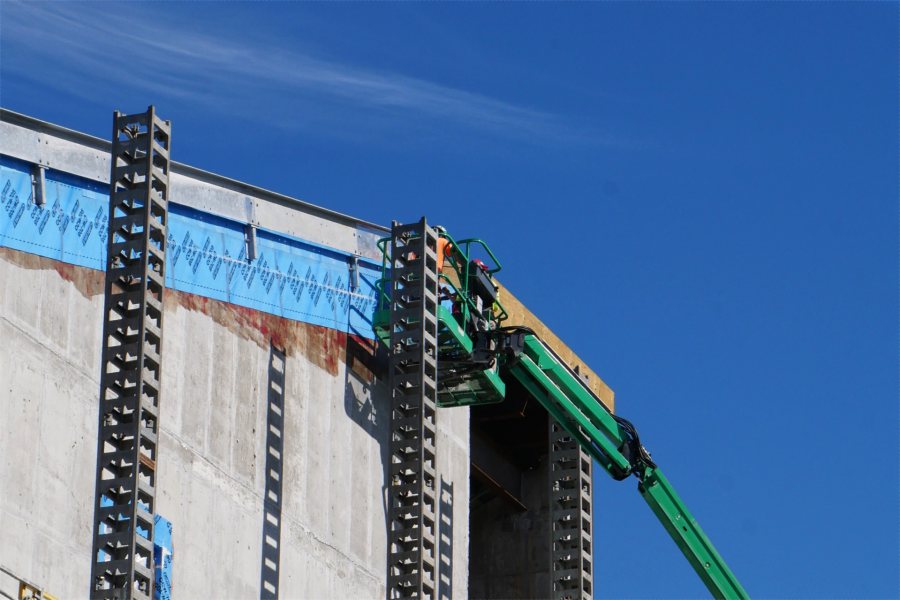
(71, 224)
(205, 254)
(163, 553)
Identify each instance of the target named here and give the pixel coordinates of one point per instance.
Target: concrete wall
(31, 140)
(511, 548)
(211, 468)
(213, 421)
(212, 449)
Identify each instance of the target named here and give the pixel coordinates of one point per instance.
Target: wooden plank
(520, 315)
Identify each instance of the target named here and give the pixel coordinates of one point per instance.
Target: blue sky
(701, 199)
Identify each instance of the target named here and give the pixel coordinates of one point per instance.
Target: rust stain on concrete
(324, 347)
(364, 359)
(88, 282)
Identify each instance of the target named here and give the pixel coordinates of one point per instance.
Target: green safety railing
(462, 248)
(606, 437)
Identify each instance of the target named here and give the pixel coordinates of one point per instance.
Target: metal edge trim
(15, 118)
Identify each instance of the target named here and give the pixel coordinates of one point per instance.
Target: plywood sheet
(520, 315)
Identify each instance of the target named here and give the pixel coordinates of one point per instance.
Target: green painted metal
(455, 344)
(690, 538)
(567, 399)
(582, 400)
(476, 388)
(576, 422)
(570, 402)
(466, 246)
(381, 324)
(451, 334)
(483, 387)
(459, 264)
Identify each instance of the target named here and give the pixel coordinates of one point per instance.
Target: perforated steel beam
(131, 364)
(571, 560)
(413, 381)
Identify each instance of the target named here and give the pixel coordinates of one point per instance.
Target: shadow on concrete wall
(366, 368)
(366, 399)
(367, 403)
(445, 541)
(271, 526)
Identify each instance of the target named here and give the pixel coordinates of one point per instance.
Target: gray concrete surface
(212, 446)
(510, 548)
(76, 153)
(212, 442)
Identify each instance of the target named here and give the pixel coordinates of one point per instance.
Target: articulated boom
(477, 354)
(613, 442)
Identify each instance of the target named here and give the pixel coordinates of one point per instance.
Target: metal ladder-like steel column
(571, 560)
(125, 495)
(413, 381)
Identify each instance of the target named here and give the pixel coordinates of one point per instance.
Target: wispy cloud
(94, 51)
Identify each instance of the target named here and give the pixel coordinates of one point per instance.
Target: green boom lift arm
(476, 354)
(614, 443)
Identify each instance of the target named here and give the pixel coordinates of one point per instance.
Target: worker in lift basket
(444, 249)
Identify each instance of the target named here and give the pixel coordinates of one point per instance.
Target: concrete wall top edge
(83, 155)
(59, 148)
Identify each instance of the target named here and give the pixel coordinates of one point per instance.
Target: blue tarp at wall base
(205, 254)
(163, 553)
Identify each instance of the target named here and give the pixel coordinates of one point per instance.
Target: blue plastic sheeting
(205, 254)
(70, 226)
(163, 552)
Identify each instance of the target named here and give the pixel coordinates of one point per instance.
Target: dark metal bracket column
(271, 537)
(413, 381)
(571, 560)
(125, 494)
